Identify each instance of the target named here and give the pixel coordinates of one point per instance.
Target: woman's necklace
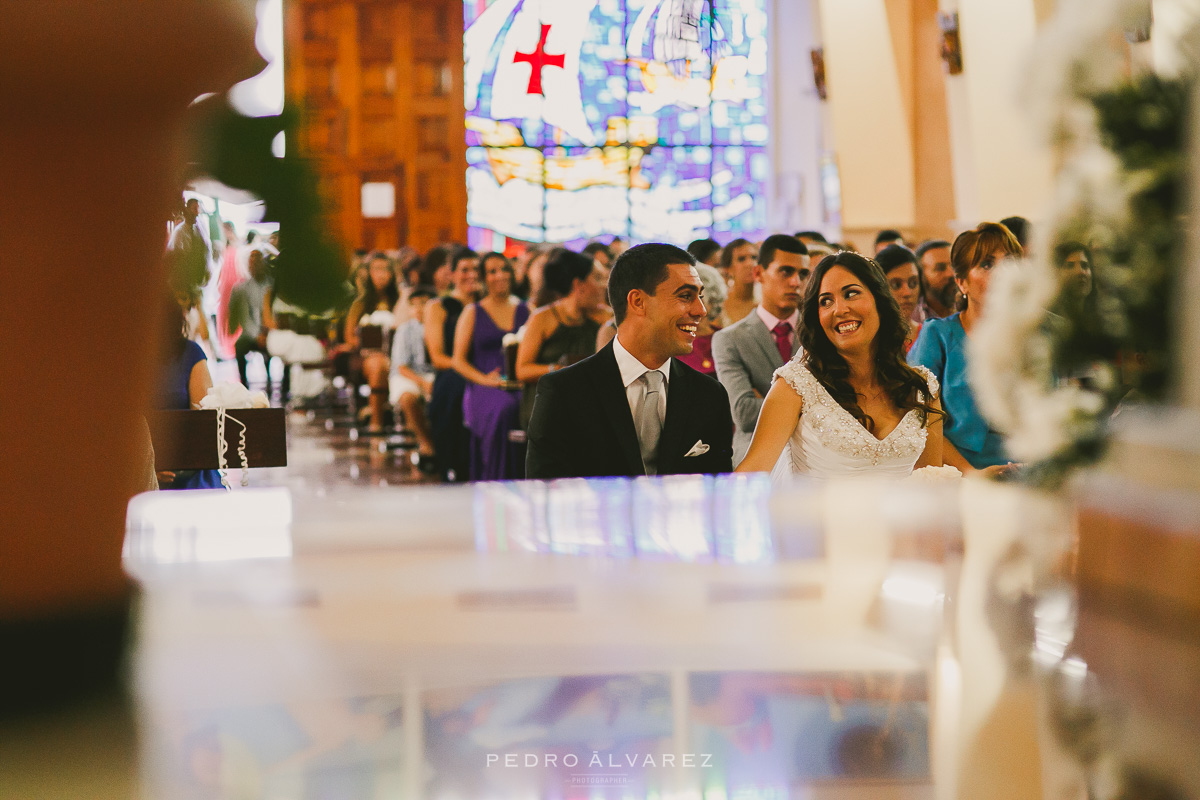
(873, 395)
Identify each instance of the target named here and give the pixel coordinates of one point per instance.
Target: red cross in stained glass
(538, 60)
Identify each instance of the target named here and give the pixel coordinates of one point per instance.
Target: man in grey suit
(748, 352)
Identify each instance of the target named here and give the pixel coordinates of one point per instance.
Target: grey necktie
(649, 423)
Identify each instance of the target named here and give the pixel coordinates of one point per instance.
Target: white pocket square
(698, 449)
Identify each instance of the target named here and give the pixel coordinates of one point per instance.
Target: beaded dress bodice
(829, 442)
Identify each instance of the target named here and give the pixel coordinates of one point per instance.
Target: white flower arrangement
(228, 394)
(384, 319)
(511, 339)
(1012, 358)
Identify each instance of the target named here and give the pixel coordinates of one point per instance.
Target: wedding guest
(521, 271)
(940, 292)
(1075, 287)
(188, 249)
(633, 408)
(195, 323)
(886, 237)
(750, 351)
(701, 358)
(246, 303)
(738, 261)
(818, 250)
(565, 331)
(411, 271)
(411, 382)
(450, 443)
(942, 347)
(408, 277)
(1075, 316)
(598, 252)
(812, 237)
(490, 409)
(899, 264)
(379, 294)
(227, 278)
(361, 278)
(183, 381)
(1021, 230)
(436, 270)
(617, 246)
(540, 294)
(705, 251)
(607, 332)
(850, 404)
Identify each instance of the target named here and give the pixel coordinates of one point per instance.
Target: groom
(632, 408)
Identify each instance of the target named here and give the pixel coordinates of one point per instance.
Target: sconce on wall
(951, 43)
(818, 65)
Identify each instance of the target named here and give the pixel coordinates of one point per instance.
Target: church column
(871, 120)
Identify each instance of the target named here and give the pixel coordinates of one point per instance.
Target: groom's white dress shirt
(631, 371)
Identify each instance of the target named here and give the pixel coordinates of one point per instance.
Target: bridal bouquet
(233, 395)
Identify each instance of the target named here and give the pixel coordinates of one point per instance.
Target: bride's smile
(847, 310)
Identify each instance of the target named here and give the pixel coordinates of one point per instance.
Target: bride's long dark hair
(903, 384)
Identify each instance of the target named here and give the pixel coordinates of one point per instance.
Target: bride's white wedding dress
(829, 442)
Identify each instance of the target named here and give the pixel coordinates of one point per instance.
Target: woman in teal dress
(971, 444)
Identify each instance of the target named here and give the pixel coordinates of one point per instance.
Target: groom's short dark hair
(642, 267)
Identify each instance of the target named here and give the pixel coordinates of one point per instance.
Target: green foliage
(1144, 123)
(310, 271)
(1119, 343)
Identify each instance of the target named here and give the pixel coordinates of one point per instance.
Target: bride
(848, 403)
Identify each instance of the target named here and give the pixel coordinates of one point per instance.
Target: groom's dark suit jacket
(582, 427)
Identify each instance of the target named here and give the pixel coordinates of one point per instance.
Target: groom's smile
(678, 308)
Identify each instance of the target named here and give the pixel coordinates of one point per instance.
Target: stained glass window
(644, 119)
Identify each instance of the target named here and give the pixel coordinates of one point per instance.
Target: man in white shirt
(188, 249)
(633, 408)
(748, 352)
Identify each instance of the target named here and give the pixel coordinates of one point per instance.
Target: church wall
(1002, 165)
(799, 121)
(872, 133)
(380, 87)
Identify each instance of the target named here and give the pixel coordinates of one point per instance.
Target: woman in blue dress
(490, 410)
(971, 444)
(183, 381)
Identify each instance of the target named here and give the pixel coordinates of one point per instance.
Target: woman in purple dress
(490, 411)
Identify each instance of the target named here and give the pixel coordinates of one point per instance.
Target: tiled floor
(325, 446)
